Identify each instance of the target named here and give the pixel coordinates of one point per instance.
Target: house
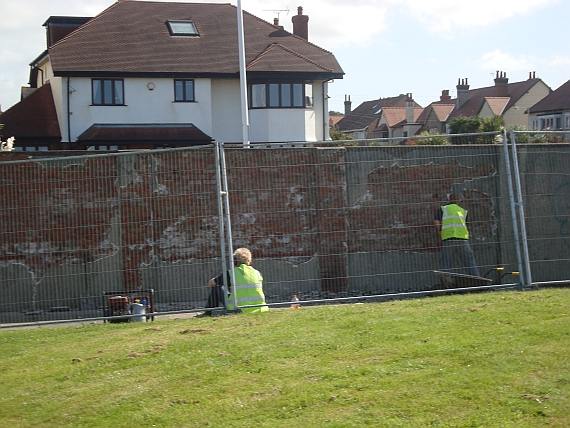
(396, 122)
(361, 122)
(553, 111)
(509, 100)
(400, 117)
(145, 74)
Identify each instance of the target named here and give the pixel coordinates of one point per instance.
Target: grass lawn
(497, 359)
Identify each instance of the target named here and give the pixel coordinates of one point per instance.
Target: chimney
(445, 95)
(276, 23)
(301, 24)
(531, 75)
(501, 84)
(347, 105)
(409, 108)
(462, 92)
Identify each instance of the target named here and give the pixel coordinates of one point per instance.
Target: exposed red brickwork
(163, 206)
(398, 209)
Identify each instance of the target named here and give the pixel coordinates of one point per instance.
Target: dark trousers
(216, 298)
(458, 251)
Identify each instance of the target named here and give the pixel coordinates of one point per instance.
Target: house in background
(157, 74)
(553, 111)
(396, 122)
(435, 115)
(508, 100)
(401, 117)
(361, 122)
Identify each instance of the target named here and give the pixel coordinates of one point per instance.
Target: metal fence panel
(323, 223)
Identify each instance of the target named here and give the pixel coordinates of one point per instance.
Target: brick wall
(285, 204)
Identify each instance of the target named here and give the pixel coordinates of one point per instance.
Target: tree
(464, 125)
(492, 124)
(337, 135)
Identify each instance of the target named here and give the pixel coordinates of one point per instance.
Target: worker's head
(454, 198)
(242, 256)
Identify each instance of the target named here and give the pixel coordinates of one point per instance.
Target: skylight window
(182, 28)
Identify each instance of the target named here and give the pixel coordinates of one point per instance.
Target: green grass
(499, 359)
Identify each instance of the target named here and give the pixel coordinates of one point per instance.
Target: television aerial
(278, 11)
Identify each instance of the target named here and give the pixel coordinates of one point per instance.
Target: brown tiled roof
(367, 112)
(396, 116)
(557, 100)
(442, 111)
(144, 133)
(280, 58)
(497, 104)
(32, 119)
(132, 38)
(477, 96)
(333, 119)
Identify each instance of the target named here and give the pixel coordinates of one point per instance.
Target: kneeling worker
(249, 288)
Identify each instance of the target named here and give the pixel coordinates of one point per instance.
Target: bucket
(138, 309)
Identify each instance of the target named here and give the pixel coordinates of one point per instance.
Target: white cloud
(448, 16)
(559, 61)
(498, 60)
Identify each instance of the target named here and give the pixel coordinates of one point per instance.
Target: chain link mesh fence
(81, 233)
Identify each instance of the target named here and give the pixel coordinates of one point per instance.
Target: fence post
(519, 204)
(221, 221)
(226, 206)
(513, 208)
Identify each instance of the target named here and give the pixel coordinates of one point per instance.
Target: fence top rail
(37, 157)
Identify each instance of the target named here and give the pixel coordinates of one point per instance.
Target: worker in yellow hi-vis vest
(248, 289)
(451, 222)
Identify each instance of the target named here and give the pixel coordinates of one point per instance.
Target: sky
(385, 47)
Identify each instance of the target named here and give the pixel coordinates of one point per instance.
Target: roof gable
(442, 111)
(396, 116)
(497, 104)
(280, 58)
(132, 37)
(555, 101)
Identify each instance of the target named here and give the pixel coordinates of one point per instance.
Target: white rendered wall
(142, 105)
(226, 111)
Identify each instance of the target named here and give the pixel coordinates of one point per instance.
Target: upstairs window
(182, 28)
(108, 92)
(183, 90)
(281, 95)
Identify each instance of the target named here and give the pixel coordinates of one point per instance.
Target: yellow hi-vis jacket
(248, 290)
(453, 224)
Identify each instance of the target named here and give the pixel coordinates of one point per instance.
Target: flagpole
(242, 79)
